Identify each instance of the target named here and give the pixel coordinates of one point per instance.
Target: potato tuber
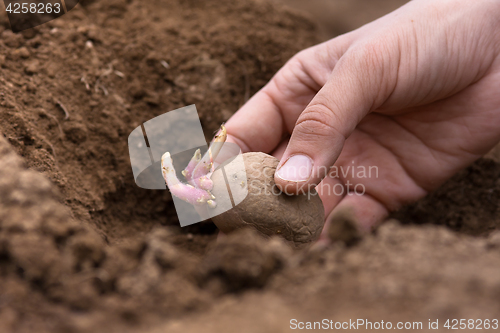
(299, 219)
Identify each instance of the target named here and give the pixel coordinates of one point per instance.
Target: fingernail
(298, 168)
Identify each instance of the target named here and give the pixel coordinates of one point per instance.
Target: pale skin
(415, 93)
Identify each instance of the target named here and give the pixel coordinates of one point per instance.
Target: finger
(257, 126)
(360, 82)
(355, 216)
(331, 191)
(280, 149)
(271, 113)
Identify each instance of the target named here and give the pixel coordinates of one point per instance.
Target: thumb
(358, 84)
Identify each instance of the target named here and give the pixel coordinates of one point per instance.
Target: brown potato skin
(299, 219)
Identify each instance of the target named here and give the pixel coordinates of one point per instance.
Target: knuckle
(297, 61)
(318, 119)
(304, 54)
(374, 67)
(369, 57)
(293, 71)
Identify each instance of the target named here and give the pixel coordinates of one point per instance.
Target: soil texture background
(83, 249)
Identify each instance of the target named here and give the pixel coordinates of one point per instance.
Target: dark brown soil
(83, 249)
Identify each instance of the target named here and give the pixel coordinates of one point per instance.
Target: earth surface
(83, 249)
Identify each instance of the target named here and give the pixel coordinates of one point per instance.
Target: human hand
(414, 95)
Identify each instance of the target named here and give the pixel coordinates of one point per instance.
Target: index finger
(257, 126)
(271, 113)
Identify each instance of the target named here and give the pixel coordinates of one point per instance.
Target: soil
(83, 249)
(336, 17)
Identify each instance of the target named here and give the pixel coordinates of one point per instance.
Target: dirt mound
(83, 249)
(468, 203)
(70, 93)
(72, 90)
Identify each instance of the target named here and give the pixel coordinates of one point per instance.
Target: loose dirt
(83, 249)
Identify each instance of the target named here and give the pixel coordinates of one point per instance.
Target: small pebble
(32, 67)
(23, 52)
